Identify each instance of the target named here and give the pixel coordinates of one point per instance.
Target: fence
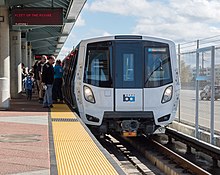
(187, 56)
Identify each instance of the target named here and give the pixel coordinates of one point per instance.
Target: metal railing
(193, 65)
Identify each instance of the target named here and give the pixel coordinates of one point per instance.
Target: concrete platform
(24, 142)
(41, 141)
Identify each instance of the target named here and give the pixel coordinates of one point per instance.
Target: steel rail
(199, 145)
(180, 160)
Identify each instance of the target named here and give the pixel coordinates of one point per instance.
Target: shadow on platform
(23, 105)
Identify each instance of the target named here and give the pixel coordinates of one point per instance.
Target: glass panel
(128, 63)
(188, 87)
(157, 67)
(97, 68)
(128, 69)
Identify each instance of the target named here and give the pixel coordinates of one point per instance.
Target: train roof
(121, 37)
(126, 37)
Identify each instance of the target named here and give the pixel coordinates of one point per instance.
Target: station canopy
(45, 24)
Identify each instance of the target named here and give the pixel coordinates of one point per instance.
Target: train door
(73, 75)
(128, 76)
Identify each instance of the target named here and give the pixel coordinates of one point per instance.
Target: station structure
(34, 140)
(28, 29)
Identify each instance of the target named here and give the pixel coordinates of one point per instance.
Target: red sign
(38, 56)
(37, 16)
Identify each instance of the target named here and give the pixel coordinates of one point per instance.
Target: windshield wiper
(162, 62)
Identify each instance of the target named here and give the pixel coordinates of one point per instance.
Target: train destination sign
(37, 16)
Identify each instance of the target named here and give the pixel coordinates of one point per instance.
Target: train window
(128, 64)
(128, 67)
(97, 68)
(157, 67)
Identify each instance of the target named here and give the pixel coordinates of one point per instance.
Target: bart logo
(128, 97)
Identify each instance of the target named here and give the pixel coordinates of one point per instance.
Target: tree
(185, 72)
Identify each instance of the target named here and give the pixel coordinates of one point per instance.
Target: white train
(123, 83)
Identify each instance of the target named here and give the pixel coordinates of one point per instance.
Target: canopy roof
(48, 39)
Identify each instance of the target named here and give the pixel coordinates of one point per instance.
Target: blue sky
(177, 20)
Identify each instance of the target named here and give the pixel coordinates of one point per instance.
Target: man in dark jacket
(47, 81)
(38, 75)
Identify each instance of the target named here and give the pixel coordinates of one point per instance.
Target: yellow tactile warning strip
(62, 111)
(76, 153)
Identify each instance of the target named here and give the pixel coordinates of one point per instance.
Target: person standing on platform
(23, 75)
(58, 81)
(36, 75)
(28, 85)
(47, 82)
(39, 77)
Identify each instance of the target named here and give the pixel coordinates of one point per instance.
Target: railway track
(130, 160)
(147, 156)
(144, 156)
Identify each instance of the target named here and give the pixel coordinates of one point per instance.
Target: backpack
(28, 83)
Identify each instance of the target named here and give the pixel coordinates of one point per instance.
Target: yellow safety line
(62, 111)
(76, 153)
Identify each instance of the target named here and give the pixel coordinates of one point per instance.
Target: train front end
(130, 85)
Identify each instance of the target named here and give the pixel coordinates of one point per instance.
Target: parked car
(206, 92)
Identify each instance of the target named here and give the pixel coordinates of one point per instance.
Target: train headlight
(88, 94)
(167, 95)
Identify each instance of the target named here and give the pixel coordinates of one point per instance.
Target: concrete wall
(4, 60)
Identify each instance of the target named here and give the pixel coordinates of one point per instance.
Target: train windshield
(98, 63)
(157, 66)
(137, 64)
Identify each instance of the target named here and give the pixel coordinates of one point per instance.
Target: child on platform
(28, 85)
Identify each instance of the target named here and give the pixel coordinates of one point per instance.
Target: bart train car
(123, 83)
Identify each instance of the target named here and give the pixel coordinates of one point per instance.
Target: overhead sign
(36, 16)
(38, 56)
